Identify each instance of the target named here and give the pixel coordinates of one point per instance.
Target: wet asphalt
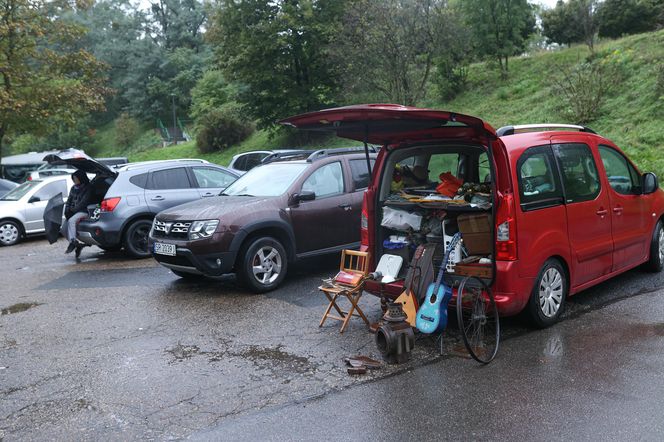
(112, 348)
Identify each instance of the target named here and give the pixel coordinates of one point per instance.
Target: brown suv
(295, 206)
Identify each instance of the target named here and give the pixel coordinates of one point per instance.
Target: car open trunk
(425, 152)
(104, 175)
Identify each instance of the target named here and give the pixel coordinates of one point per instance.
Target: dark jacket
(79, 195)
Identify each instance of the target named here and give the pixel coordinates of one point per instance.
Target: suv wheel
(548, 296)
(136, 238)
(263, 264)
(10, 233)
(656, 261)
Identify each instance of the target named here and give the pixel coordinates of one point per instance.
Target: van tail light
(364, 224)
(506, 229)
(109, 204)
(29, 178)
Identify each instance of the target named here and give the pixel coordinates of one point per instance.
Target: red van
(549, 209)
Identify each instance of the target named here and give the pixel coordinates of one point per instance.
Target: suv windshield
(268, 180)
(20, 191)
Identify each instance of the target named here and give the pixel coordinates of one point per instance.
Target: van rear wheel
(547, 299)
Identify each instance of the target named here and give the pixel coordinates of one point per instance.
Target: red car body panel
(594, 239)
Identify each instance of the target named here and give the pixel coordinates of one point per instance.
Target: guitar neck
(455, 239)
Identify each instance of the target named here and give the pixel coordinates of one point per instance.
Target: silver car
(22, 209)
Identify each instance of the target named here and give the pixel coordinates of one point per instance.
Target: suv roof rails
(522, 128)
(312, 155)
(322, 153)
(139, 164)
(286, 155)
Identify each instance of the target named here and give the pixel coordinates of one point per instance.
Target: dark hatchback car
(276, 213)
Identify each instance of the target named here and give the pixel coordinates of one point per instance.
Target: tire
(656, 260)
(135, 239)
(10, 232)
(547, 299)
(477, 317)
(263, 264)
(187, 276)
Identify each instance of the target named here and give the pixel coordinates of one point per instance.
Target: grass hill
(632, 113)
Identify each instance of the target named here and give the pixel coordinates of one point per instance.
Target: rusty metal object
(395, 338)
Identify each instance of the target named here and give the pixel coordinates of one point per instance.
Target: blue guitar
(432, 315)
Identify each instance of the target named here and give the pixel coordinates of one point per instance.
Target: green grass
(632, 114)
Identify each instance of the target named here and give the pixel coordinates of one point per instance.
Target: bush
(220, 128)
(659, 82)
(584, 87)
(126, 130)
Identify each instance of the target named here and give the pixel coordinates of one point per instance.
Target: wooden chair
(352, 263)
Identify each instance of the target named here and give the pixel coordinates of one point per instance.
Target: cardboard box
(475, 269)
(476, 233)
(474, 223)
(478, 243)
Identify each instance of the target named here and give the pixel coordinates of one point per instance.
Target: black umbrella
(53, 217)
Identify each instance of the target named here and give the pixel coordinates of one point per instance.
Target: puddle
(183, 352)
(18, 308)
(268, 357)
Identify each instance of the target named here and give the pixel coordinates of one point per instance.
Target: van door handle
(345, 206)
(602, 212)
(618, 210)
(158, 198)
(205, 195)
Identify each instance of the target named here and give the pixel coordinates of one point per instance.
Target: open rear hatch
(81, 161)
(423, 137)
(386, 124)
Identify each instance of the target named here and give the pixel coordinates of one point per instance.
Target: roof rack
(312, 155)
(286, 155)
(322, 153)
(139, 164)
(511, 130)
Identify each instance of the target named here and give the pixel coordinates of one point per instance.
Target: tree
(45, 80)
(280, 50)
(624, 17)
(389, 46)
(559, 25)
(585, 13)
(500, 27)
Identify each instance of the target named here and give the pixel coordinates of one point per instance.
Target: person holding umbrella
(80, 196)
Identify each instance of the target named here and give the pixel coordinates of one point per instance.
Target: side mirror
(649, 183)
(34, 199)
(305, 195)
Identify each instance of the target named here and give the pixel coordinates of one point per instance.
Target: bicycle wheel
(478, 320)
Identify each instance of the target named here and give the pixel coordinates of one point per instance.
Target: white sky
(548, 3)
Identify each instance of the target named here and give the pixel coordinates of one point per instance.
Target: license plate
(161, 248)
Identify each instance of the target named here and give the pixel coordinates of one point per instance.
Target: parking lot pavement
(117, 348)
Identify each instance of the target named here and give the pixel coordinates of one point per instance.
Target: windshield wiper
(243, 194)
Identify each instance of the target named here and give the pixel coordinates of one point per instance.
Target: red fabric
(449, 184)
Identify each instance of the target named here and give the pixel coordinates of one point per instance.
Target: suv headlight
(203, 229)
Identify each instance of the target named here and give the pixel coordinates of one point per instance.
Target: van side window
(539, 186)
(445, 162)
(580, 177)
(623, 178)
(484, 168)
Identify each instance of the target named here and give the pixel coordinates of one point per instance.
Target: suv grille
(177, 229)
